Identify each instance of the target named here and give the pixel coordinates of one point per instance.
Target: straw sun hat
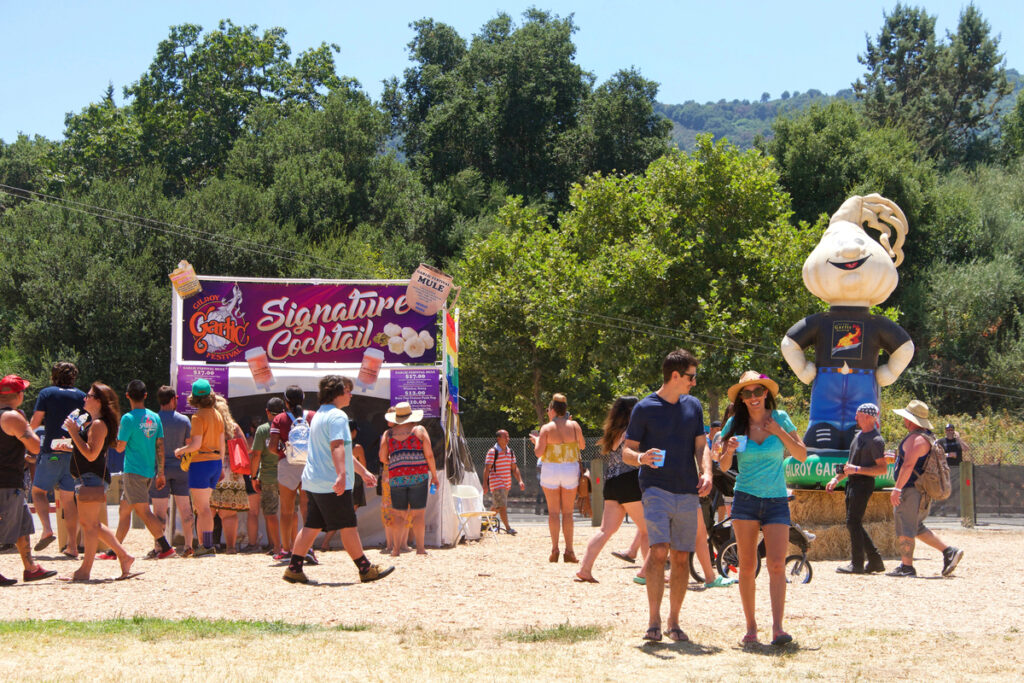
(917, 412)
(401, 413)
(750, 377)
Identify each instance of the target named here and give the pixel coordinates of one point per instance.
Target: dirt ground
(467, 599)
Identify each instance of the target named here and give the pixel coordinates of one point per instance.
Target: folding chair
(469, 504)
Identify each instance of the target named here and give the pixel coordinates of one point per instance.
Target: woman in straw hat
(558, 445)
(759, 436)
(406, 455)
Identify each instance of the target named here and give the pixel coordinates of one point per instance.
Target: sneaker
(849, 569)
(375, 572)
(874, 566)
(203, 551)
(950, 559)
(4, 581)
(170, 552)
(720, 582)
(295, 575)
(283, 555)
(38, 573)
(152, 554)
(107, 555)
(188, 552)
(902, 570)
(311, 559)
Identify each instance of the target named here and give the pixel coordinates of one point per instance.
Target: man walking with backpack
(911, 505)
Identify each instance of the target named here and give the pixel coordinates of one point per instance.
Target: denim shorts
(763, 510)
(90, 480)
(54, 470)
(671, 518)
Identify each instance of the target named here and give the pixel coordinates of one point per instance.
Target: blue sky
(59, 56)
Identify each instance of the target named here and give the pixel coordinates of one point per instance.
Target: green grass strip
(152, 628)
(563, 633)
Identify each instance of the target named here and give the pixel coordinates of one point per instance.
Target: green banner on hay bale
(819, 468)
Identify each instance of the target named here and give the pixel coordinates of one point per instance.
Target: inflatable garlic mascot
(851, 272)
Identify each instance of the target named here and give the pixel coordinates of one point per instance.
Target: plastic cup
(370, 368)
(659, 459)
(742, 445)
(433, 488)
(259, 366)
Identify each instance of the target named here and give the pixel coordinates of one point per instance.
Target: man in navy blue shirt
(664, 436)
(53, 468)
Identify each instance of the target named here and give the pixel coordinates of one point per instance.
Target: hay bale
(832, 542)
(811, 508)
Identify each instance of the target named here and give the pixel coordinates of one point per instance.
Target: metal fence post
(596, 491)
(968, 518)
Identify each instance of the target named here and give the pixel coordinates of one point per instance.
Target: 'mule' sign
(428, 290)
(304, 323)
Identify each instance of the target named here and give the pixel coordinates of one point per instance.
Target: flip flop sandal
(624, 557)
(42, 543)
(129, 575)
(640, 580)
(580, 579)
(749, 639)
(782, 639)
(676, 635)
(653, 634)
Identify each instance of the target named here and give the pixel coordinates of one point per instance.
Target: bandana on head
(868, 409)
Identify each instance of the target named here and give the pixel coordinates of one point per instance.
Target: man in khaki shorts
(141, 438)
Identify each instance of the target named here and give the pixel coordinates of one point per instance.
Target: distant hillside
(742, 120)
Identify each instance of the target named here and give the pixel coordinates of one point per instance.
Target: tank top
(12, 458)
(615, 465)
(901, 456)
(81, 465)
(407, 463)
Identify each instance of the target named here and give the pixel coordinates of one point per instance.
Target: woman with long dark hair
(621, 488)
(89, 468)
(759, 435)
(558, 446)
(289, 475)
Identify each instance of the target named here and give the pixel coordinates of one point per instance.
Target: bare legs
(42, 503)
(703, 553)
(419, 530)
(229, 524)
(561, 504)
(656, 583)
(204, 515)
(69, 508)
(905, 545)
(184, 506)
(611, 520)
(289, 523)
(252, 521)
(776, 541)
(91, 507)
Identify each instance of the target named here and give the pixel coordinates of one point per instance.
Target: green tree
(101, 142)
(943, 93)
(1012, 140)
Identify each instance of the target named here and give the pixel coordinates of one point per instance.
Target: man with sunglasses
(665, 432)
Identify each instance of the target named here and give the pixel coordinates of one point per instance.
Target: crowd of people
(299, 456)
(660, 461)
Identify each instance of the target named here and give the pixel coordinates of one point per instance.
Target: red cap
(12, 384)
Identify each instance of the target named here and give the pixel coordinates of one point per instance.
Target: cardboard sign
(428, 290)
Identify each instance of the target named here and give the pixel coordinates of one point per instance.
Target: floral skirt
(230, 496)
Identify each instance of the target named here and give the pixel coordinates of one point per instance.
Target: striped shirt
(500, 461)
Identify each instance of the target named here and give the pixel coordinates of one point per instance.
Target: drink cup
(259, 366)
(659, 458)
(433, 488)
(370, 368)
(742, 445)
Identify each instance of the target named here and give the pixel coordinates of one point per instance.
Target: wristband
(897, 490)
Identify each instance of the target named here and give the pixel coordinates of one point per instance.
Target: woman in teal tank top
(758, 436)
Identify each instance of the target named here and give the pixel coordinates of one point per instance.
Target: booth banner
(305, 323)
(216, 375)
(421, 387)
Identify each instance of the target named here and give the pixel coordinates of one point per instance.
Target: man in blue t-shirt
(53, 465)
(141, 437)
(665, 433)
(327, 480)
(176, 428)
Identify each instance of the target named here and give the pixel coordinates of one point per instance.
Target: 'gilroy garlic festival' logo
(219, 328)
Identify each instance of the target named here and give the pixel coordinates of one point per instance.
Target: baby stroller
(722, 540)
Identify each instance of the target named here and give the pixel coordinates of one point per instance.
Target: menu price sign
(421, 387)
(216, 375)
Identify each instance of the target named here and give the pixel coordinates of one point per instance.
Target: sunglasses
(756, 392)
(91, 395)
(691, 375)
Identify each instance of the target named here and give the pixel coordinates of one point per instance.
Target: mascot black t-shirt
(848, 335)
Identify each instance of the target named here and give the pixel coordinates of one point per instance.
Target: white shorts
(289, 475)
(564, 475)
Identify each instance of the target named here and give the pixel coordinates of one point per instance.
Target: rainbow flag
(451, 363)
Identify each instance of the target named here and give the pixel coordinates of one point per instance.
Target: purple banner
(305, 323)
(216, 375)
(421, 387)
